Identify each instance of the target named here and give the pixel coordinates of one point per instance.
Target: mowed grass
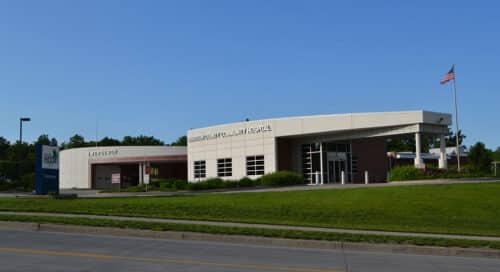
(276, 233)
(458, 208)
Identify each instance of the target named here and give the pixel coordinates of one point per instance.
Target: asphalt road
(43, 251)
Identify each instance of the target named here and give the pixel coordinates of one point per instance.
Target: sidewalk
(260, 226)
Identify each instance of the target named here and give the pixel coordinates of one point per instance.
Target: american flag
(449, 76)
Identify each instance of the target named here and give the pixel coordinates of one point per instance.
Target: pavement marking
(158, 260)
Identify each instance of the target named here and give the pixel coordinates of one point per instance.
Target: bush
(282, 178)
(247, 182)
(212, 183)
(274, 179)
(170, 184)
(28, 182)
(402, 173)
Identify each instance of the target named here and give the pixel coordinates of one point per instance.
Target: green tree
(141, 140)
(43, 139)
(20, 160)
(496, 154)
(450, 139)
(4, 148)
(480, 157)
(407, 143)
(75, 141)
(53, 142)
(107, 141)
(181, 141)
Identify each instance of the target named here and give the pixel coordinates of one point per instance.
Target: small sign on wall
(115, 178)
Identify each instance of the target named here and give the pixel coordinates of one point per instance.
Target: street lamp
(21, 120)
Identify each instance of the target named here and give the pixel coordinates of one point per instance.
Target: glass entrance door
(335, 169)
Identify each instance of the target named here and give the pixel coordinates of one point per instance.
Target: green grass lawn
(458, 208)
(289, 234)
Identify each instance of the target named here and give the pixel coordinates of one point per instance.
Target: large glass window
(200, 169)
(328, 161)
(255, 165)
(224, 167)
(311, 161)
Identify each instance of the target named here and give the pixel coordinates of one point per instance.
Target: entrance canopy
(363, 125)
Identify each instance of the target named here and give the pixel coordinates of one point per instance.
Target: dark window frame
(255, 165)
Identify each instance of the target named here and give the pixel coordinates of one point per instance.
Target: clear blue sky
(159, 67)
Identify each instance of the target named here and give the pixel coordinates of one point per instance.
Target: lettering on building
(103, 153)
(233, 133)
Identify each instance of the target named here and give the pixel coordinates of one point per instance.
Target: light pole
(21, 120)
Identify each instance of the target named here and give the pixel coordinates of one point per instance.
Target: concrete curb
(253, 240)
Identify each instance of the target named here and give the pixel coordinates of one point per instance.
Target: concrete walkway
(261, 226)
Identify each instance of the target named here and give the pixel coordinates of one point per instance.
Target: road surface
(44, 251)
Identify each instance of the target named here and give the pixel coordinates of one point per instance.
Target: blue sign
(47, 169)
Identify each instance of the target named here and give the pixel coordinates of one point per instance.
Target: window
(200, 169)
(225, 167)
(255, 165)
(354, 165)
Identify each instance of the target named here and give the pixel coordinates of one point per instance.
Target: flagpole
(456, 121)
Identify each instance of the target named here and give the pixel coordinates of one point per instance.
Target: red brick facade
(371, 154)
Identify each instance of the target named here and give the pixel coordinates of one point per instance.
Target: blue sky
(161, 67)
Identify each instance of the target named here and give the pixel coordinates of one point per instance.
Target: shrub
(171, 184)
(212, 183)
(28, 182)
(247, 182)
(283, 178)
(402, 173)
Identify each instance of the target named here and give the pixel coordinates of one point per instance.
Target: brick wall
(372, 157)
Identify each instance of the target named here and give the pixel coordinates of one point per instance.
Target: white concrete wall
(75, 163)
(235, 147)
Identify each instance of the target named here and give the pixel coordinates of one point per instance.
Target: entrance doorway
(335, 170)
(327, 162)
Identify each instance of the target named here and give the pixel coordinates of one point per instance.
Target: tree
(141, 140)
(480, 157)
(181, 141)
(407, 143)
(75, 141)
(451, 138)
(107, 141)
(43, 139)
(53, 142)
(4, 147)
(496, 154)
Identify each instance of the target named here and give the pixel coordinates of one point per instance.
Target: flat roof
(289, 126)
